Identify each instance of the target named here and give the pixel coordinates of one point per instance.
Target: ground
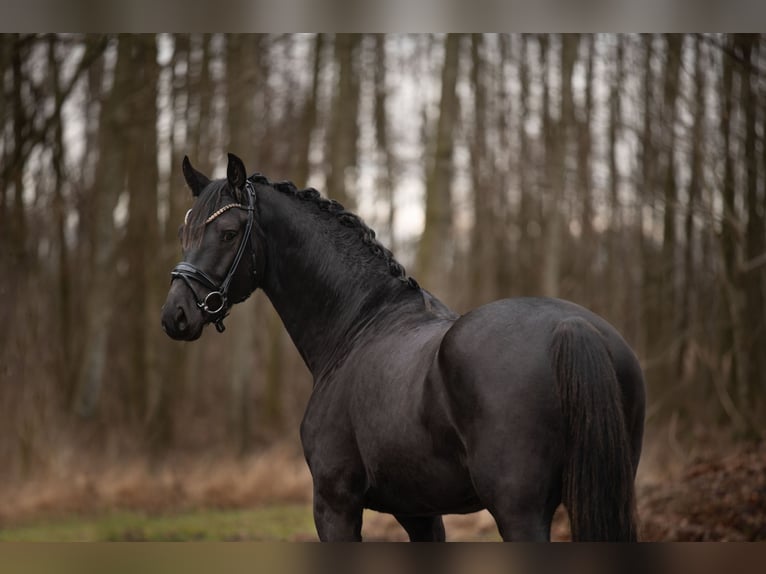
(718, 495)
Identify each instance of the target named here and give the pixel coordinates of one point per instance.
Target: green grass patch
(270, 523)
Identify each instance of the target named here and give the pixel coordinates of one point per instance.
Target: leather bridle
(215, 304)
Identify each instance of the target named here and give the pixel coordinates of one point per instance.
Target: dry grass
(278, 477)
(276, 474)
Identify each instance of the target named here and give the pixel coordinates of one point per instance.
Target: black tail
(598, 475)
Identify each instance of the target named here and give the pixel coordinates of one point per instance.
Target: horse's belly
(433, 487)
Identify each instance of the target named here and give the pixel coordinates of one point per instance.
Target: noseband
(215, 304)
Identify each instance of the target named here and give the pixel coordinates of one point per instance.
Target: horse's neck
(322, 297)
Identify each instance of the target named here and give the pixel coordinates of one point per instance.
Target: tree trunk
(647, 311)
(143, 236)
(529, 204)
(109, 182)
(482, 240)
(588, 247)
(84, 249)
(6, 47)
(309, 117)
(386, 165)
(344, 130)
(753, 277)
(432, 261)
(731, 343)
(694, 194)
(60, 210)
(615, 210)
(17, 224)
(504, 247)
(202, 97)
(557, 147)
(667, 287)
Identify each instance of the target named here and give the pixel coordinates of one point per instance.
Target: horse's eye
(228, 235)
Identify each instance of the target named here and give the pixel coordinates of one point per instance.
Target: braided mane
(345, 218)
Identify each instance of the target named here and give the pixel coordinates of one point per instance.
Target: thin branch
(93, 51)
(748, 65)
(753, 263)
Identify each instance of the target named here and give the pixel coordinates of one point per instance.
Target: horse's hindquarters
(497, 370)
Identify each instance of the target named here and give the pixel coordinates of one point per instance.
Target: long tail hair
(598, 489)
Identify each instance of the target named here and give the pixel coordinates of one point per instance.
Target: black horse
(515, 407)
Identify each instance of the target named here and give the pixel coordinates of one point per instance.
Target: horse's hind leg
(423, 528)
(522, 516)
(517, 525)
(521, 494)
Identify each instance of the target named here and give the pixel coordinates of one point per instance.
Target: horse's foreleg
(423, 528)
(338, 517)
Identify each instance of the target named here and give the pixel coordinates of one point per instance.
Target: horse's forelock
(204, 205)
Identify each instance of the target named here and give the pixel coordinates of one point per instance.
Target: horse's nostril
(180, 319)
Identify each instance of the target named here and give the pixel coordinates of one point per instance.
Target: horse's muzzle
(177, 324)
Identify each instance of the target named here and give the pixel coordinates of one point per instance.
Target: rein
(215, 303)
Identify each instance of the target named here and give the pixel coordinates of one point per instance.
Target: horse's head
(223, 252)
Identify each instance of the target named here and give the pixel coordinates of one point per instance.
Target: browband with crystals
(224, 209)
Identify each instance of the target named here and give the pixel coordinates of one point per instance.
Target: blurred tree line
(626, 173)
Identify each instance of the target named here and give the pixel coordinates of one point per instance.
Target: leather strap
(188, 272)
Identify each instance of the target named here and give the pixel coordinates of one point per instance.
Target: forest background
(624, 172)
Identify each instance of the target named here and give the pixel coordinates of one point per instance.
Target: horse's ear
(235, 172)
(194, 179)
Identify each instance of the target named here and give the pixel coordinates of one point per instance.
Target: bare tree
(645, 205)
(387, 164)
(309, 115)
(753, 273)
(142, 233)
(583, 129)
(344, 130)
(615, 209)
(432, 249)
(483, 246)
(529, 210)
(693, 205)
(667, 277)
(61, 209)
(731, 336)
(557, 146)
(109, 182)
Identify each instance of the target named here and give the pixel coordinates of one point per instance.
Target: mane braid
(345, 218)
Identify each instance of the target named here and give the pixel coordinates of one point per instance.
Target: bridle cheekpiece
(215, 303)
